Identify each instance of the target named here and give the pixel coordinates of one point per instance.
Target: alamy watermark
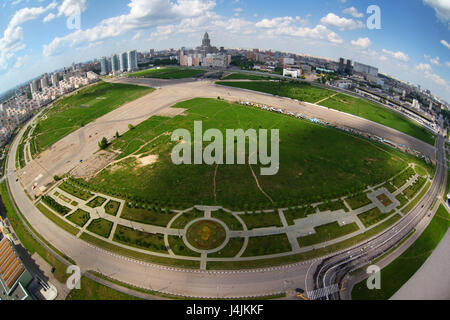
(374, 20)
(235, 139)
(73, 21)
(374, 281)
(74, 281)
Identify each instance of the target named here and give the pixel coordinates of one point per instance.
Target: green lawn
(100, 227)
(327, 232)
(307, 174)
(70, 113)
(96, 202)
(79, 217)
(261, 220)
(333, 206)
(58, 221)
(294, 214)
(138, 255)
(112, 207)
(75, 191)
(182, 221)
(91, 290)
(230, 250)
(140, 239)
(403, 177)
(405, 266)
(147, 216)
(179, 247)
(358, 201)
(372, 217)
(246, 76)
(231, 222)
(341, 102)
(260, 246)
(168, 73)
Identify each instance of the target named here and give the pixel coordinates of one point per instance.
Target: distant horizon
(41, 35)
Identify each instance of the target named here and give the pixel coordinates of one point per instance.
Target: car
(299, 290)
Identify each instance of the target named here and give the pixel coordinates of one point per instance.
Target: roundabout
(206, 236)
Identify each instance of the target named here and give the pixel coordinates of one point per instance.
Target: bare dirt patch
(94, 164)
(145, 161)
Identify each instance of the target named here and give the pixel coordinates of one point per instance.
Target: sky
(412, 42)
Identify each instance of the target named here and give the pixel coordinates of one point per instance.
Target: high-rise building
(341, 68)
(349, 68)
(104, 66)
(132, 60)
(44, 82)
(124, 62)
(365, 69)
(115, 63)
(34, 86)
(55, 81)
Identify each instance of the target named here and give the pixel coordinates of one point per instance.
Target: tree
(130, 126)
(103, 144)
(117, 135)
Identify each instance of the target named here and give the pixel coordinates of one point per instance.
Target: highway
(335, 269)
(193, 283)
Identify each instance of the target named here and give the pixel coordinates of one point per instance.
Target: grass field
(58, 221)
(96, 202)
(327, 232)
(79, 217)
(341, 102)
(311, 173)
(261, 220)
(147, 216)
(294, 214)
(231, 222)
(373, 216)
(358, 201)
(100, 227)
(168, 73)
(77, 110)
(405, 266)
(231, 249)
(246, 76)
(259, 246)
(140, 239)
(112, 207)
(91, 290)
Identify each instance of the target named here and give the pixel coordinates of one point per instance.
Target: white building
(365, 69)
(293, 72)
(132, 60)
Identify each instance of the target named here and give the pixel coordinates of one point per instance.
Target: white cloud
(426, 69)
(280, 22)
(435, 61)
(423, 67)
(49, 17)
(71, 7)
(447, 64)
(333, 20)
(362, 42)
(353, 12)
(143, 14)
(445, 44)
(441, 7)
(11, 42)
(238, 10)
(397, 55)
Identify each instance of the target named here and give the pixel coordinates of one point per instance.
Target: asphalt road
(335, 269)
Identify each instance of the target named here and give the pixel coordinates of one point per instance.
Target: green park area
(342, 102)
(80, 108)
(168, 73)
(312, 174)
(398, 272)
(246, 76)
(327, 232)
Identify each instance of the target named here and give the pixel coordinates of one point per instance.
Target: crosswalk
(323, 292)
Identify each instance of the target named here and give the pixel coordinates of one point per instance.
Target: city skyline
(36, 39)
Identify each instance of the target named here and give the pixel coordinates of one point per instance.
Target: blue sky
(413, 43)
